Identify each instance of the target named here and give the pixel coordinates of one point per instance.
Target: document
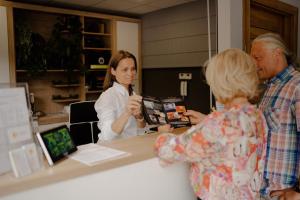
(18, 134)
(19, 162)
(24, 160)
(15, 128)
(92, 154)
(159, 111)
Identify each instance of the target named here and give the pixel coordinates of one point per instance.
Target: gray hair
(274, 41)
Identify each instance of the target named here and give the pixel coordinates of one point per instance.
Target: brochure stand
(18, 149)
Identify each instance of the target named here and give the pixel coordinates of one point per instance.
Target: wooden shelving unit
(92, 33)
(98, 40)
(94, 91)
(97, 46)
(65, 85)
(65, 100)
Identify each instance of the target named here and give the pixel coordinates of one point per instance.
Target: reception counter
(137, 176)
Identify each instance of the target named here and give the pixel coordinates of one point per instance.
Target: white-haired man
(281, 106)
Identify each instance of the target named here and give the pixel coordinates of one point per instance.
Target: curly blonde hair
(231, 74)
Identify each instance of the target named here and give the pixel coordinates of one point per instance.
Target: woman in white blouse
(118, 107)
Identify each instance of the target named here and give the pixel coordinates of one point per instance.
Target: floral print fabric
(226, 151)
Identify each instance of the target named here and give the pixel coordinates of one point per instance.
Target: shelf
(93, 33)
(65, 100)
(94, 48)
(93, 91)
(49, 70)
(66, 85)
(97, 70)
(53, 118)
(99, 67)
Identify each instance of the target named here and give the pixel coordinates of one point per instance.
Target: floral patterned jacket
(226, 151)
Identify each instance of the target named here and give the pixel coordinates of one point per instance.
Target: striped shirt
(281, 107)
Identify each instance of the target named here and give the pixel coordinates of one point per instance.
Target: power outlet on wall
(185, 76)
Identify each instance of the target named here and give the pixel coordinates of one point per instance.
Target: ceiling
(121, 7)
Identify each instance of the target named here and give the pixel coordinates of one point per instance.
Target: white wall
(4, 62)
(127, 36)
(230, 24)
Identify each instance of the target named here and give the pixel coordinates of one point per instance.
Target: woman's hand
(165, 128)
(195, 117)
(134, 105)
(133, 108)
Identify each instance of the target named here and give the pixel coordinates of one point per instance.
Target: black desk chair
(83, 122)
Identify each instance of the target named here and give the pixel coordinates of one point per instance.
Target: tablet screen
(57, 143)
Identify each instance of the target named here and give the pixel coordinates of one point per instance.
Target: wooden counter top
(139, 147)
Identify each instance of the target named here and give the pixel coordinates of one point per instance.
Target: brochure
(165, 111)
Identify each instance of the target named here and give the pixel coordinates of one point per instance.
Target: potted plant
(30, 49)
(64, 47)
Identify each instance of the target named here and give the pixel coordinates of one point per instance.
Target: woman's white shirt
(109, 106)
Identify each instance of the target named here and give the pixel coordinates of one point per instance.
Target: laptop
(56, 143)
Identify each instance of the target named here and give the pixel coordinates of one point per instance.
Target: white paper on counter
(91, 154)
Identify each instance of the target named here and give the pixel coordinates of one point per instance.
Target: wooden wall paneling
(176, 37)
(196, 43)
(178, 30)
(191, 59)
(183, 13)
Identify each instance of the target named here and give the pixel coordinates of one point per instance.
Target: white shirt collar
(120, 88)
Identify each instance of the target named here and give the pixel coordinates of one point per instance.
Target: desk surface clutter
(139, 148)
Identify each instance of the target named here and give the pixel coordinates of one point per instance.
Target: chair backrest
(96, 131)
(81, 133)
(83, 122)
(83, 111)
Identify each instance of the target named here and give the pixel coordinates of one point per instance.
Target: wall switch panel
(185, 76)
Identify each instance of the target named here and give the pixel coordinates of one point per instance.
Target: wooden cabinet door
(262, 16)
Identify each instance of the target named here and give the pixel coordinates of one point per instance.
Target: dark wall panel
(164, 82)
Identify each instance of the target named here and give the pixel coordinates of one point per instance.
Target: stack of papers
(91, 154)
